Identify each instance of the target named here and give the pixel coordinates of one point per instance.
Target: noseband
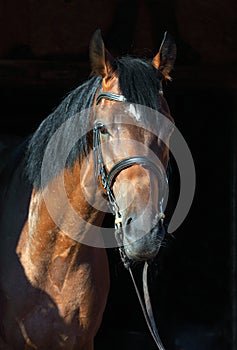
(106, 179)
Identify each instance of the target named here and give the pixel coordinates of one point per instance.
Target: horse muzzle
(139, 243)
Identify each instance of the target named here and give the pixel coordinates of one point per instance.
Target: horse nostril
(129, 220)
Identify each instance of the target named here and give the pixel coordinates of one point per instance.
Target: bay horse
(54, 285)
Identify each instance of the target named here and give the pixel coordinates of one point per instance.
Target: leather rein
(106, 180)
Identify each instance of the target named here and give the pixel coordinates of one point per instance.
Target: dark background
(44, 55)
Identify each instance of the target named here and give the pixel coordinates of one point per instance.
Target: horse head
(131, 143)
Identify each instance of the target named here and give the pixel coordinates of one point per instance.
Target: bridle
(106, 180)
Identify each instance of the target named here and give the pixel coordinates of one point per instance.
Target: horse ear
(164, 60)
(102, 62)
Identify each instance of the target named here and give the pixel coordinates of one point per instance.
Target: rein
(106, 179)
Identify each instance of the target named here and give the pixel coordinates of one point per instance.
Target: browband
(110, 96)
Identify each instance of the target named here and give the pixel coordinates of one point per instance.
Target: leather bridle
(106, 180)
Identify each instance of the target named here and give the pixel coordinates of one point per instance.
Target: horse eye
(104, 130)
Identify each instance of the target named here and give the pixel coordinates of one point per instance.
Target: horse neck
(54, 230)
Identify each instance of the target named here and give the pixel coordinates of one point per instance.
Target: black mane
(139, 82)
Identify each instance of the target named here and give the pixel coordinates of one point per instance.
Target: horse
(54, 280)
